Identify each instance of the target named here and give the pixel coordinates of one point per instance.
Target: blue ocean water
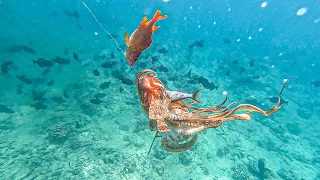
(70, 109)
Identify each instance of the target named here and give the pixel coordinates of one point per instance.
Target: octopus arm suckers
(179, 147)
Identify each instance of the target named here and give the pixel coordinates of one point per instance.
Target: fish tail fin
(157, 17)
(34, 61)
(195, 95)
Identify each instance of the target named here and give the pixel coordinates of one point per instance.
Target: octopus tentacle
(177, 147)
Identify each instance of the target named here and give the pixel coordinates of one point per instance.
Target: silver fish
(177, 95)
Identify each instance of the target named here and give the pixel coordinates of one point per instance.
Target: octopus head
(148, 84)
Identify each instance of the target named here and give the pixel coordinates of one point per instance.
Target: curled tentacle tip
(224, 93)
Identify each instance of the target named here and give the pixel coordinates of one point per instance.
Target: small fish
(65, 93)
(252, 62)
(5, 109)
(74, 14)
(112, 55)
(96, 101)
(5, 67)
(61, 61)
(25, 79)
(236, 61)
(40, 105)
(141, 38)
(154, 59)
(58, 99)
(226, 40)
(117, 74)
(316, 83)
(199, 44)
(206, 84)
(100, 95)
(38, 95)
(76, 56)
(21, 48)
(228, 73)
(127, 81)
(50, 83)
(177, 95)
(105, 85)
(42, 62)
(162, 68)
(189, 73)
(275, 99)
(121, 89)
(163, 51)
(108, 64)
(96, 72)
(242, 70)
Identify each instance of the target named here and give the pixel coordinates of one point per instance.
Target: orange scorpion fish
(141, 38)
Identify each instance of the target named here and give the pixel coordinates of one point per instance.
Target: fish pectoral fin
(126, 38)
(154, 28)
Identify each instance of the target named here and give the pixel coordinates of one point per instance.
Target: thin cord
(102, 26)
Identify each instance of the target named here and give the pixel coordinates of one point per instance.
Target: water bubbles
(185, 18)
(165, 1)
(229, 9)
(280, 54)
(312, 65)
(260, 29)
(264, 4)
(266, 57)
(96, 33)
(316, 21)
(224, 93)
(199, 26)
(190, 7)
(238, 40)
(214, 23)
(249, 37)
(272, 66)
(285, 80)
(301, 11)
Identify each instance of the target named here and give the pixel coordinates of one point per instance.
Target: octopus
(179, 123)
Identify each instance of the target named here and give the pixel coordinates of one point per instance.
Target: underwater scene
(160, 89)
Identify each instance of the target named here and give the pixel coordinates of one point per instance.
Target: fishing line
(102, 26)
